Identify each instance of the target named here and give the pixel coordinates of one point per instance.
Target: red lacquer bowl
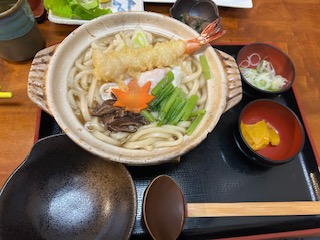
(280, 61)
(284, 120)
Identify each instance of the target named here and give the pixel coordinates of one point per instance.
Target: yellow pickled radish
(260, 134)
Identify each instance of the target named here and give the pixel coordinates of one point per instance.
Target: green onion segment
(172, 105)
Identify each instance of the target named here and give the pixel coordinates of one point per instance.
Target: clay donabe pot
(47, 85)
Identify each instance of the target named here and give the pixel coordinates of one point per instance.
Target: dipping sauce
(260, 134)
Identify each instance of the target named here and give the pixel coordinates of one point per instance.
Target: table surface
(291, 25)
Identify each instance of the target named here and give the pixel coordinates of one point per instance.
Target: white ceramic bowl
(49, 90)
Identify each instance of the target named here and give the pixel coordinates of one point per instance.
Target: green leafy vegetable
(87, 4)
(76, 9)
(168, 78)
(205, 67)
(171, 99)
(192, 101)
(147, 115)
(175, 117)
(195, 123)
(139, 38)
(172, 105)
(195, 113)
(60, 8)
(163, 95)
(174, 109)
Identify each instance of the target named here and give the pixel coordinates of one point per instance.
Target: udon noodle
(86, 92)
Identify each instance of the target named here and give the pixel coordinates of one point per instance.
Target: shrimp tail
(210, 33)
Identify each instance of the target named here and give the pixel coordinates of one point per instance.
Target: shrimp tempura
(129, 61)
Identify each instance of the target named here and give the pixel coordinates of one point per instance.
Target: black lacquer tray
(217, 171)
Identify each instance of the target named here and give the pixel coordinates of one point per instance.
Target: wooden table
(292, 25)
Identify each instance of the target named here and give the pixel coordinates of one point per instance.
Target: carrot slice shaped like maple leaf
(135, 98)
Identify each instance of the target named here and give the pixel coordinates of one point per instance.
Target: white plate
(222, 3)
(114, 5)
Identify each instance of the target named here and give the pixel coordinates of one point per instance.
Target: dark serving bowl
(63, 192)
(280, 61)
(204, 9)
(286, 123)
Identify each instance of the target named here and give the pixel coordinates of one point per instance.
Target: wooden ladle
(164, 208)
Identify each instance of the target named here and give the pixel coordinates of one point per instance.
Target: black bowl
(205, 9)
(63, 192)
(286, 123)
(281, 62)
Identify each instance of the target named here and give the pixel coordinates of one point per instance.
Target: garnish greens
(173, 105)
(263, 75)
(76, 9)
(205, 67)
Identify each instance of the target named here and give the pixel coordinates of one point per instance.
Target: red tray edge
(299, 233)
(307, 128)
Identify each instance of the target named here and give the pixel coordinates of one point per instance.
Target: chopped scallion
(147, 115)
(194, 124)
(205, 67)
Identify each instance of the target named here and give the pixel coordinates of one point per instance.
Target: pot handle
(37, 77)
(234, 92)
(39, 66)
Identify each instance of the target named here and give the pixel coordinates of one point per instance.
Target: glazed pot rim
(75, 43)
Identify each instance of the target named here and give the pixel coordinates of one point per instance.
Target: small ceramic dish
(273, 72)
(114, 5)
(198, 11)
(63, 192)
(283, 120)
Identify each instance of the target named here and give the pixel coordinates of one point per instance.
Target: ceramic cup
(20, 38)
